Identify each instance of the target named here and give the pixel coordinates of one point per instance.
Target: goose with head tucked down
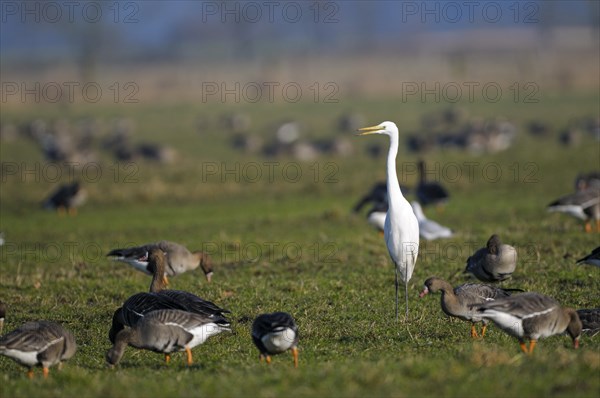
(167, 331)
(140, 304)
(38, 343)
(275, 333)
(429, 229)
(592, 259)
(457, 302)
(179, 258)
(66, 198)
(590, 320)
(583, 204)
(493, 263)
(2, 315)
(531, 316)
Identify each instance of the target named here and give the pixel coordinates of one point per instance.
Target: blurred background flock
(229, 126)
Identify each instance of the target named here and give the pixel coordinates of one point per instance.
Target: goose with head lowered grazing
(457, 302)
(592, 259)
(583, 204)
(275, 333)
(38, 343)
(531, 316)
(493, 263)
(590, 320)
(2, 315)
(429, 229)
(167, 331)
(179, 258)
(137, 306)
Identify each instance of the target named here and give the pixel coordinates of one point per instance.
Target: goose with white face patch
(458, 302)
(531, 316)
(274, 334)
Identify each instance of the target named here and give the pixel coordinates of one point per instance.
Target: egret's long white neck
(392, 178)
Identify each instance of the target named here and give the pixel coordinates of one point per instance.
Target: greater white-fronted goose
(587, 180)
(590, 320)
(136, 306)
(532, 316)
(457, 302)
(274, 334)
(179, 258)
(38, 343)
(584, 205)
(429, 229)
(66, 198)
(167, 331)
(493, 263)
(430, 192)
(592, 259)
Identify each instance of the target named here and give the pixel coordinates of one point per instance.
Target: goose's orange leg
(295, 354)
(188, 351)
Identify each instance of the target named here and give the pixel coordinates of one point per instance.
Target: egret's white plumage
(401, 230)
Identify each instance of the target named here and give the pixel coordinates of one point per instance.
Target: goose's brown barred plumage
(38, 343)
(457, 302)
(140, 304)
(167, 331)
(179, 258)
(532, 316)
(493, 263)
(584, 204)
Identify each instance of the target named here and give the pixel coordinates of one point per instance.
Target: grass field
(292, 244)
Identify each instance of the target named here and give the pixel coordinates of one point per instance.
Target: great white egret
(401, 230)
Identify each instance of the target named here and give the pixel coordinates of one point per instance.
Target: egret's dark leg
(406, 294)
(396, 292)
